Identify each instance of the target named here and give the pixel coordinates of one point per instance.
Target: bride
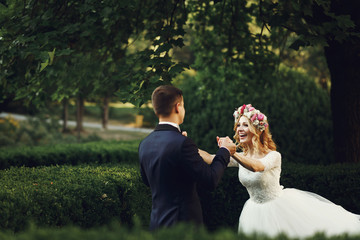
(272, 210)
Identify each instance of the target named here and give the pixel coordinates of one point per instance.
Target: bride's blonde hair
(262, 138)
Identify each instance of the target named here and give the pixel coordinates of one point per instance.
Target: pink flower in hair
(242, 109)
(260, 117)
(253, 117)
(236, 115)
(251, 109)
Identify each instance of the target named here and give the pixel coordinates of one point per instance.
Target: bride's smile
(243, 131)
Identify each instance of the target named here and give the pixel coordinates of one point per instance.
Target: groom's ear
(177, 106)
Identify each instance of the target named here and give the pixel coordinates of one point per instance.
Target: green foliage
(8, 128)
(92, 152)
(234, 67)
(116, 231)
(35, 131)
(92, 195)
(231, 65)
(150, 119)
(314, 22)
(222, 207)
(298, 111)
(90, 54)
(30, 132)
(123, 115)
(85, 196)
(30, 192)
(61, 50)
(299, 115)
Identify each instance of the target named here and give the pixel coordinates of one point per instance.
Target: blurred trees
(334, 25)
(56, 50)
(252, 38)
(235, 64)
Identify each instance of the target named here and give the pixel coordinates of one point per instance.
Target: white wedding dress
(272, 210)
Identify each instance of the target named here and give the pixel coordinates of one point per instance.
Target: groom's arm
(142, 171)
(194, 165)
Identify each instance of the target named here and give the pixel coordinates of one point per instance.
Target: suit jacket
(172, 167)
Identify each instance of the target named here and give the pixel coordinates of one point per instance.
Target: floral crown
(256, 117)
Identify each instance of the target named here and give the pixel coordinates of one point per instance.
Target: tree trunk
(79, 114)
(105, 112)
(343, 60)
(65, 114)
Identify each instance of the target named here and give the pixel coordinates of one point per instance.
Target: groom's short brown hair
(164, 99)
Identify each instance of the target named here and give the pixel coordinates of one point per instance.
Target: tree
(236, 64)
(85, 32)
(329, 24)
(246, 35)
(334, 25)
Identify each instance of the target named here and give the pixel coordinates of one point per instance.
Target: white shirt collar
(172, 124)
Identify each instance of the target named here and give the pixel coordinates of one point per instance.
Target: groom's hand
(227, 143)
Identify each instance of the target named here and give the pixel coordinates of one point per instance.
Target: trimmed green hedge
(92, 152)
(115, 231)
(85, 196)
(90, 196)
(64, 194)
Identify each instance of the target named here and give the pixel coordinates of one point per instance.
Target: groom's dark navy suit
(171, 166)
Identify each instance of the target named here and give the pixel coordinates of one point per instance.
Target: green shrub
(36, 131)
(300, 116)
(298, 110)
(85, 196)
(20, 187)
(123, 115)
(150, 119)
(8, 131)
(92, 152)
(116, 231)
(62, 195)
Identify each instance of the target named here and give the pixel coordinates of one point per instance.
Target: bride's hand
(184, 133)
(227, 143)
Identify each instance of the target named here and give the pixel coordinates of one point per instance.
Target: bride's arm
(251, 164)
(207, 157)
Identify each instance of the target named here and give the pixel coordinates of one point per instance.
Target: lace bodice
(263, 186)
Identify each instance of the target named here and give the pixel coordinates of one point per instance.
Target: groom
(171, 165)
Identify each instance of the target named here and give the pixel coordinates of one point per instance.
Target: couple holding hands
(172, 166)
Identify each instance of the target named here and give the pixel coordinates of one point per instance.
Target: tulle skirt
(298, 214)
